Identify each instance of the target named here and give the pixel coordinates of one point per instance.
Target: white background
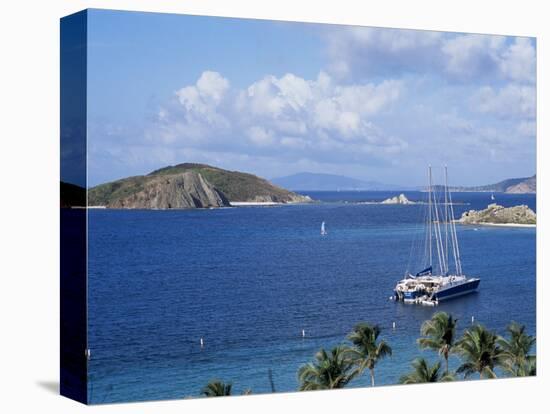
(29, 204)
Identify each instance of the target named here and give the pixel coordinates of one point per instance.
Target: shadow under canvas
(50, 386)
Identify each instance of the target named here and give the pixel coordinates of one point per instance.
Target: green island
(189, 185)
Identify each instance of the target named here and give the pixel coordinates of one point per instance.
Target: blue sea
(248, 280)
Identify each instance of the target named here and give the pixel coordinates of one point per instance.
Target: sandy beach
(505, 225)
(254, 203)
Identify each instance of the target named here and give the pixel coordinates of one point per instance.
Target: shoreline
(265, 203)
(231, 204)
(253, 203)
(499, 224)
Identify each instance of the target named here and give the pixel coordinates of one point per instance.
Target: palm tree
(329, 371)
(424, 373)
(530, 367)
(217, 389)
(367, 349)
(439, 335)
(480, 351)
(518, 360)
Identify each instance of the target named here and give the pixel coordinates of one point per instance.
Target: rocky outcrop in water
(185, 190)
(497, 214)
(400, 199)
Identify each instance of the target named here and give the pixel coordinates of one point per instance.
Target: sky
(276, 98)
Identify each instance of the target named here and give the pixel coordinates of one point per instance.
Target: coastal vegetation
(217, 389)
(330, 370)
(367, 349)
(438, 334)
(481, 351)
(519, 361)
(423, 372)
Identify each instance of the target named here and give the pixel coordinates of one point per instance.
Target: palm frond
(217, 388)
(330, 370)
(423, 372)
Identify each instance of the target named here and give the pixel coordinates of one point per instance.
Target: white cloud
(288, 114)
(292, 105)
(469, 56)
(359, 52)
(527, 129)
(201, 100)
(509, 101)
(212, 85)
(294, 143)
(518, 62)
(472, 54)
(260, 136)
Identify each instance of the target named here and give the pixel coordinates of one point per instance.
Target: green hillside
(235, 185)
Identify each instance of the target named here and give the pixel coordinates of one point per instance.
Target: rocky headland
(189, 186)
(185, 190)
(497, 214)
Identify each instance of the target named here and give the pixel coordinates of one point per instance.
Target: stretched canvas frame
(82, 383)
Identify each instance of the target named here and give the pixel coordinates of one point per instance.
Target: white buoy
(393, 325)
(202, 342)
(303, 333)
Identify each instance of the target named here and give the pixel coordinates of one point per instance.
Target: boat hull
(407, 296)
(458, 289)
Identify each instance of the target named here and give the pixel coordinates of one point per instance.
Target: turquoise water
(248, 280)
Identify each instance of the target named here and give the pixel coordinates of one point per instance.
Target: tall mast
(446, 222)
(454, 239)
(438, 238)
(430, 213)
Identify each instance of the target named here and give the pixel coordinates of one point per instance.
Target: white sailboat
(436, 283)
(493, 196)
(323, 230)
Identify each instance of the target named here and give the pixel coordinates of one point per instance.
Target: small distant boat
(323, 230)
(493, 196)
(432, 285)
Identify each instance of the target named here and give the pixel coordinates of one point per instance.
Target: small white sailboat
(323, 230)
(493, 196)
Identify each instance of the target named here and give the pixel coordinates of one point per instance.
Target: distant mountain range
(307, 181)
(512, 186)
